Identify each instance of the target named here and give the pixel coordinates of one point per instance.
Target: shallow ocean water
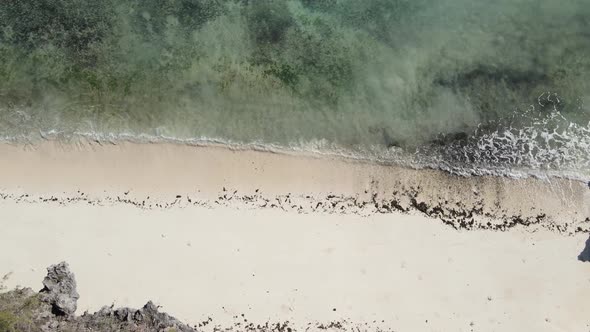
(471, 87)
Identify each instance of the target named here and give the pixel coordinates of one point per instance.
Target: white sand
(279, 266)
(411, 272)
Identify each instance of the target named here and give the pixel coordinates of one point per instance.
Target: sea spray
(444, 84)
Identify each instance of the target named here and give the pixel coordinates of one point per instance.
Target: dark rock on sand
(585, 254)
(60, 290)
(147, 318)
(52, 310)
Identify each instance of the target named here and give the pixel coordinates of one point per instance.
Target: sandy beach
(211, 232)
(294, 165)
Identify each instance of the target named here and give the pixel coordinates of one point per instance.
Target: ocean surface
(472, 87)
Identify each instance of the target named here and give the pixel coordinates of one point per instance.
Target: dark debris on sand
(477, 213)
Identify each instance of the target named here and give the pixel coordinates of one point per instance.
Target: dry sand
(200, 259)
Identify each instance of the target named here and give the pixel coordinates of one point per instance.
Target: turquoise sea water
(474, 87)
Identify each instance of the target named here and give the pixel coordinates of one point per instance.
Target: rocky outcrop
(147, 318)
(60, 290)
(53, 309)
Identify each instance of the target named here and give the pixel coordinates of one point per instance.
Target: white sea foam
(512, 152)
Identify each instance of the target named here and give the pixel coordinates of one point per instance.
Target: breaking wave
(456, 85)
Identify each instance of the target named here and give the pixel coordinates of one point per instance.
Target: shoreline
(154, 175)
(310, 151)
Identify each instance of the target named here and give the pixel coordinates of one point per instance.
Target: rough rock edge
(58, 302)
(133, 319)
(37, 314)
(59, 290)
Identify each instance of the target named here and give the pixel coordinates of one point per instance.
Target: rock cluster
(148, 318)
(56, 305)
(53, 310)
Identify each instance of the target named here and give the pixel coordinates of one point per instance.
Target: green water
(442, 78)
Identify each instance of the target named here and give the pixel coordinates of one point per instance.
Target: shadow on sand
(584, 256)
